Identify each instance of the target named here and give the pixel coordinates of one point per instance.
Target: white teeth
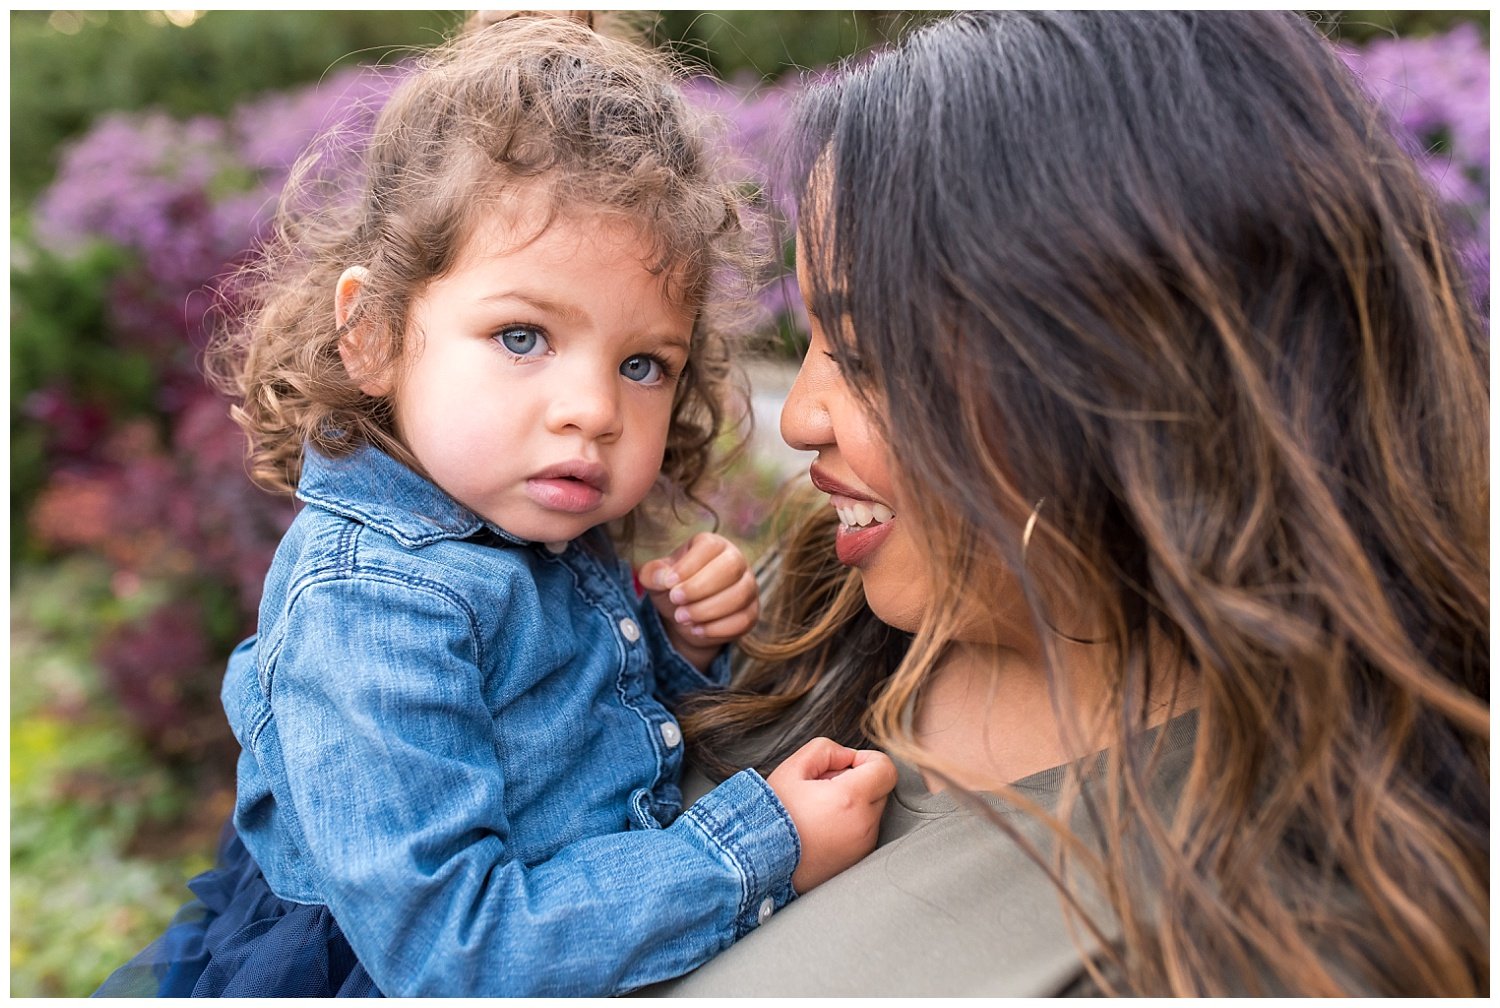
(860, 514)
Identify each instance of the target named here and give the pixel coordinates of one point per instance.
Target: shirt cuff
(744, 818)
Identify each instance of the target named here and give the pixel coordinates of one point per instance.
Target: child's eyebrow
(564, 310)
(675, 342)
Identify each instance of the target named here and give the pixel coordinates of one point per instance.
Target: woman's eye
(642, 368)
(523, 341)
(851, 364)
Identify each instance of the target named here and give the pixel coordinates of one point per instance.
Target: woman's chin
(897, 606)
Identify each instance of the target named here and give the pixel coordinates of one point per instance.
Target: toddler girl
(459, 774)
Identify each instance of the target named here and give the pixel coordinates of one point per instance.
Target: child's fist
(706, 595)
(835, 796)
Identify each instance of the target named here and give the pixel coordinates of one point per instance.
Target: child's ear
(357, 345)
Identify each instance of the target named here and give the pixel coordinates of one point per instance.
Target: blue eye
(642, 368)
(523, 341)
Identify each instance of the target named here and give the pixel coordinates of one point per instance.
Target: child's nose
(587, 403)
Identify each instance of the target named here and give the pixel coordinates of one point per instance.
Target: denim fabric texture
(457, 742)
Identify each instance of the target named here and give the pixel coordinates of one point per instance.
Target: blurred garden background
(147, 148)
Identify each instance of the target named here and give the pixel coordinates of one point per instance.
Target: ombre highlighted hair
(1171, 274)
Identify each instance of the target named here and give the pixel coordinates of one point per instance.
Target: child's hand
(706, 595)
(835, 796)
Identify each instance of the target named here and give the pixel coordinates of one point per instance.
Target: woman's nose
(805, 423)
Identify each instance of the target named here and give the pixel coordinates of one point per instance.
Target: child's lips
(568, 495)
(572, 487)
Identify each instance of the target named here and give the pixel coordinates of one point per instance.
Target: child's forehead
(532, 227)
(521, 218)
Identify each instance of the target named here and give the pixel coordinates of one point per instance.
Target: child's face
(538, 379)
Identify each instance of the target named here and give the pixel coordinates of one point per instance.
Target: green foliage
(59, 337)
(58, 327)
(90, 882)
(1362, 26)
(67, 67)
(78, 913)
(771, 43)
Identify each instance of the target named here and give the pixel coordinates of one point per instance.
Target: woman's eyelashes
(848, 362)
(523, 341)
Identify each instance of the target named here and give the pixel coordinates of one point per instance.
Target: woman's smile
(864, 523)
(855, 544)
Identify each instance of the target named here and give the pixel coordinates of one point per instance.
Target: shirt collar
(370, 487)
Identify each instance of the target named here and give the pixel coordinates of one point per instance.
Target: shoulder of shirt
(369, 487)
(368, 515)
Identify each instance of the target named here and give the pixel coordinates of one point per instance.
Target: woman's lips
(854, 544)
(864, 522)
(833, 487)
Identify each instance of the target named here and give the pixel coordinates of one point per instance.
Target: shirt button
(671, 734)
(557, 547)
(629, 629)
(767, 907)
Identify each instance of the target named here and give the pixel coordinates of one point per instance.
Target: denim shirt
(457, 741)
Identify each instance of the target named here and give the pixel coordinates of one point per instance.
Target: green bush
(1362, 26)
(768, 44)
(67, 67)
(102, 836)
(60, 341)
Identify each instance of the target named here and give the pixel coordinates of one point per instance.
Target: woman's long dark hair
(1171, 274)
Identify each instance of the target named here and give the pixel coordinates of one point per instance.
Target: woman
(1153, 409)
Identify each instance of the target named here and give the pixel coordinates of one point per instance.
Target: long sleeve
(396, 785)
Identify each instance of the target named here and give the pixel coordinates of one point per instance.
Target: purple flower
(1436, 92)
(1436, 88)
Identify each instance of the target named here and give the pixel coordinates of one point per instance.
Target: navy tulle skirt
(239, 939)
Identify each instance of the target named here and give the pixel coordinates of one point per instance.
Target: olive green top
(947, 904)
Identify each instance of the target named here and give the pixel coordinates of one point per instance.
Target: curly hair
(535, 105)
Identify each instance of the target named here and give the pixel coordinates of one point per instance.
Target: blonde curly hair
(537, 103)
